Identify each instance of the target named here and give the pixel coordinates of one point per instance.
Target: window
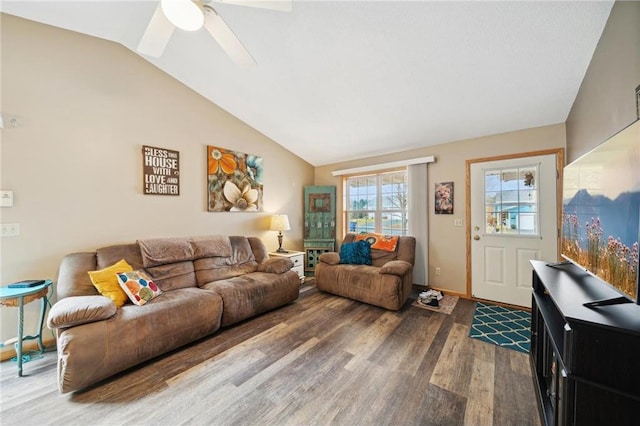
(511, 201)
(377, 203)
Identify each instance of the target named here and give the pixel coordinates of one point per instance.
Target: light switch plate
(458, 222)
(6, 198)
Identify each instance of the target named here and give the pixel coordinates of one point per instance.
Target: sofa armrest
(73, 279)
(276, 265)
(330, 258)
(396, 267)
(76, 310)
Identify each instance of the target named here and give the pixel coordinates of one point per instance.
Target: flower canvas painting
(234, 181)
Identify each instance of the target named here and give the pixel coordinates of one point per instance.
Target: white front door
(513, 219)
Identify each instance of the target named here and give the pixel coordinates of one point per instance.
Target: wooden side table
(18, 297)
(298, 261)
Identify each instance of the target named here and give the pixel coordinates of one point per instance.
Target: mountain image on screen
(618, 218)
(601, 211)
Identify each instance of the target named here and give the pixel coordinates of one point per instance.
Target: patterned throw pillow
(138, 286)
(106, 282)
(358, 253)
(379, 241)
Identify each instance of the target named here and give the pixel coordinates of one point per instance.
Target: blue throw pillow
(358, 253)
(348, 253)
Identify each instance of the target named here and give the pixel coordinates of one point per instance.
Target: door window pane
(511, 201)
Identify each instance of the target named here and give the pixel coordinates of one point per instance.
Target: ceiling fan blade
(280, 5)
(226, 38)
(157, 35)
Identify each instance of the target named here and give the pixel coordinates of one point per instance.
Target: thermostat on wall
(6, 198)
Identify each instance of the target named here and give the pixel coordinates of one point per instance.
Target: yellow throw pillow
(106, 281)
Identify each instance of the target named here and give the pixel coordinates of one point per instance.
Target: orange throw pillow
(379, 241)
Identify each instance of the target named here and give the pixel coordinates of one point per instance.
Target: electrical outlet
(437, 271)
(9, 229)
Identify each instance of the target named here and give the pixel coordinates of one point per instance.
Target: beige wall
(86, 106)
(605, 103)
(447, 244)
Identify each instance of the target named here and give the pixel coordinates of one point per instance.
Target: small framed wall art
(444, 198)
(160, 171)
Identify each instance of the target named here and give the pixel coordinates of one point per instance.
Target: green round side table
(18, 297)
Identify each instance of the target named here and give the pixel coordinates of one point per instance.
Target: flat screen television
(601, 213)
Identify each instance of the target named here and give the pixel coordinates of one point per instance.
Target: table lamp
(280, 222)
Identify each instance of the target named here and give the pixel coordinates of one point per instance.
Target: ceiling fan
(191, 15)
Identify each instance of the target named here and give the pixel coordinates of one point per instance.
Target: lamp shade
(184, 14)
(280, 222)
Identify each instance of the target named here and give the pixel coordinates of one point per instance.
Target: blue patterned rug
(506, 327)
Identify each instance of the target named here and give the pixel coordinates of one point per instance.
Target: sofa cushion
(259, 249)
(107, 284)
(240, 262)
(211, 246)
(220, 268)
(162, 251)
(276, 265)
(173, 276)
(72, 311)
(138, 286)
(241, 250)
(73, 279)
(380, 257)
(358, 253)
(252, 294)
(109, 255)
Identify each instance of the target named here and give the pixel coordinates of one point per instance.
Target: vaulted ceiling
(335, 81)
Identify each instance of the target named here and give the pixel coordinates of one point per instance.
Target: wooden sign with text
(161, 171)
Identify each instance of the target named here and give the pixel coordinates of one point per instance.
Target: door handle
(476, 237)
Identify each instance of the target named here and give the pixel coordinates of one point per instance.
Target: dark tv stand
(585, 361)
(607, 302)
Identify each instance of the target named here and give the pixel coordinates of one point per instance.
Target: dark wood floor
(320, 360)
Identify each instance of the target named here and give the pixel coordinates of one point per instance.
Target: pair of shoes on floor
(431, 294)
(430, 298)
(434, 303)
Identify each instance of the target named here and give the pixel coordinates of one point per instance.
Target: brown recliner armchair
(386, 282)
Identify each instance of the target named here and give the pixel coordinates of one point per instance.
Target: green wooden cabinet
(319, 223)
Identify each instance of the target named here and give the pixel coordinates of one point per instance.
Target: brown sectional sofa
(206, 283)
(387, 282)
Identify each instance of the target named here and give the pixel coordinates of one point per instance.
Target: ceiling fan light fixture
(184, 14)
